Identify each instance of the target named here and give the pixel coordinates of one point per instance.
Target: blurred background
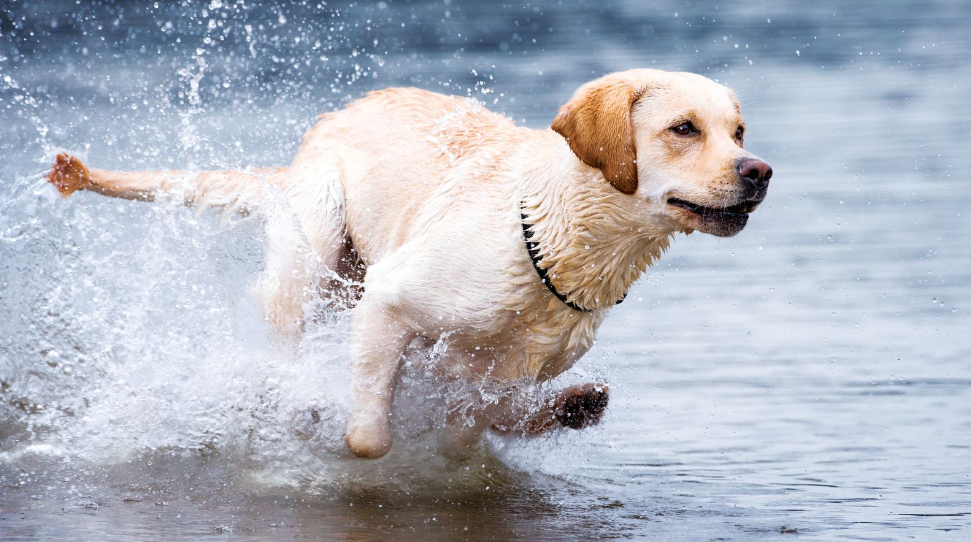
(810, 376)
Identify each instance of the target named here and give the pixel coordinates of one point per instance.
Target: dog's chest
(535, 335)
(539, 345)
(557, 338)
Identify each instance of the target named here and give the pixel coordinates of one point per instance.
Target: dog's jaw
(720, 222)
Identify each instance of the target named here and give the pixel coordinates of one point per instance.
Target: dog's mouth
(744, 207)
(720, 221)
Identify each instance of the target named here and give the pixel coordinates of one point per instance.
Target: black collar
(533, 248)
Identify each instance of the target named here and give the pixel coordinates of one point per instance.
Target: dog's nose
(754, 171)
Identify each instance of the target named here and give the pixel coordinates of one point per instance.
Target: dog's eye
(685, 128)
(739, 133)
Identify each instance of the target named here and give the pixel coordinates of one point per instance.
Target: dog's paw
(369, 440)
(69, 175)
(581, 406)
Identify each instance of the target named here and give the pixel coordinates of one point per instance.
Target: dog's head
(675, 140)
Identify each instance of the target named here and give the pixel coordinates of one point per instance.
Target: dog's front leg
(468, 419)
(575, 407)
(463, 429)
(378, 339)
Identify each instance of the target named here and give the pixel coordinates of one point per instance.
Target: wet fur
(426, 193)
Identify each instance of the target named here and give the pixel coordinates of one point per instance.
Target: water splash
(145, 342)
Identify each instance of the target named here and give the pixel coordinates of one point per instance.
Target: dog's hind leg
(306, 241)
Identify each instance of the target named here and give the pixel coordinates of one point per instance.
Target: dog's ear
(597, 124)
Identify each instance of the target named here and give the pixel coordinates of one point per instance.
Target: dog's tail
(238, 191)
(303, 207)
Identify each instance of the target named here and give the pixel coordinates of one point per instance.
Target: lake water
(809, 378)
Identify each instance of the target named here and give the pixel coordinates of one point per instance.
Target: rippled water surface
(809, 378)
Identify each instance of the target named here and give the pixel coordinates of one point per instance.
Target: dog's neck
(595, 241)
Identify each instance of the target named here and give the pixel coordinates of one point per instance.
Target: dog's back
(407, 145)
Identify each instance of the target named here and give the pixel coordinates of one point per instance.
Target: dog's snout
(754, 171)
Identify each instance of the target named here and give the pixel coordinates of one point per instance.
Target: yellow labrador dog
(507, 244)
